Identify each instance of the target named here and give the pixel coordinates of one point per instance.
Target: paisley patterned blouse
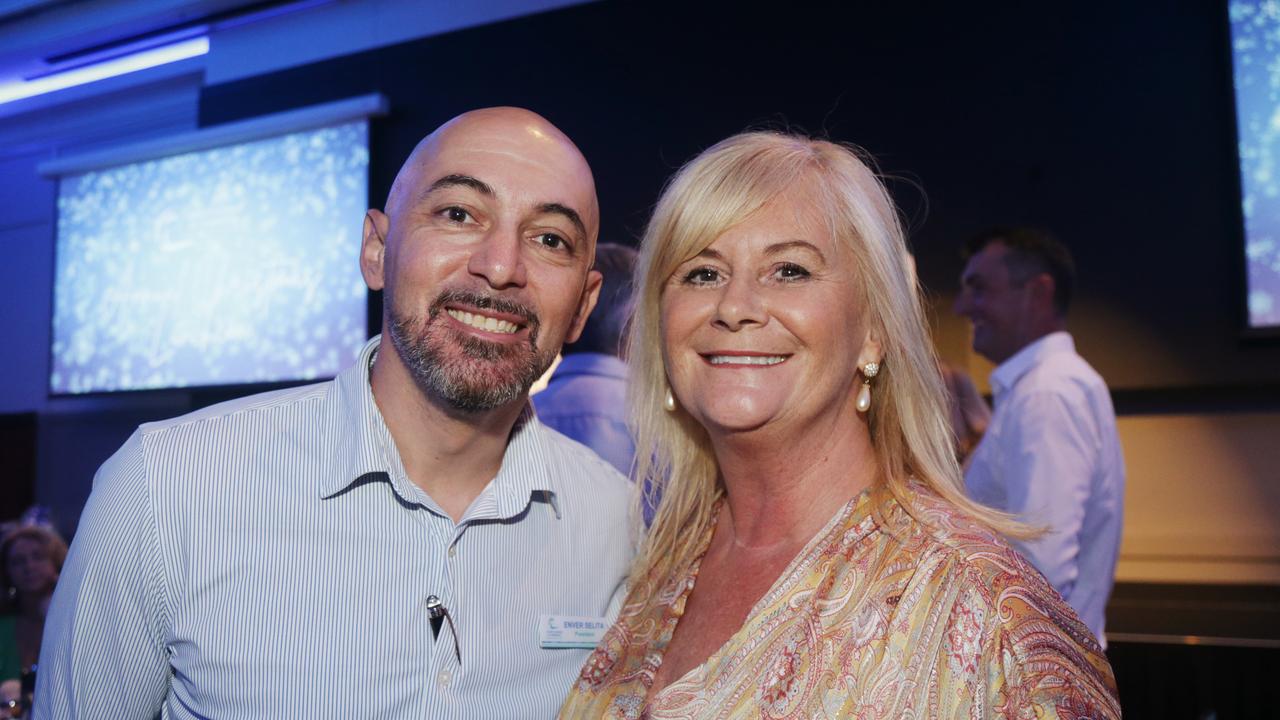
(882, 615)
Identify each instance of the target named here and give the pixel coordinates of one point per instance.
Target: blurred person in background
(968, 411)
(1051, 454)
(586, 398)
(33, 556)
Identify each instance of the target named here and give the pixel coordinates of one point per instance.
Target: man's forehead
(518, 136)
(507, 169)
(511, 170)
(575, 203)
(509, 135)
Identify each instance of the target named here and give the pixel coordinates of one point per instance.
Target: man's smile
(484, 322)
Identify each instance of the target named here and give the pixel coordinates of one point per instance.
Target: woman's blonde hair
(908, 420)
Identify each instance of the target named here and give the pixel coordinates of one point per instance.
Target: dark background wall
(17, 463)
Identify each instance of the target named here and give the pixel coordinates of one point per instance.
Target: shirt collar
(1007, 374)
(525, 470)
(590, 364)
(365, 450)
(356, 450)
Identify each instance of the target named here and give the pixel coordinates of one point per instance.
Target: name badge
(567, 631)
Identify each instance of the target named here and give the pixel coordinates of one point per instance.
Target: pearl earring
(863, 401)
(669, 402)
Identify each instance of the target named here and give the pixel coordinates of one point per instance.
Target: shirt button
(453, 550)
(443, 679)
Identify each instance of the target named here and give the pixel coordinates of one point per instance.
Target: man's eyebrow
(568, 212)
(460, 181)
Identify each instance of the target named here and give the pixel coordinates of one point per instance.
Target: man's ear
(1042, 288)
(586, 303)
(373, 248)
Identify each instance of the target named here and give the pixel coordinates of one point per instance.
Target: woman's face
(763, 327)
(30, 568)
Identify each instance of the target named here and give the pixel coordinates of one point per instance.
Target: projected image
(225, 266)
(1255, 43)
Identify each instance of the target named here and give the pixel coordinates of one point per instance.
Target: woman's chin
(733, 418)
(34, 588)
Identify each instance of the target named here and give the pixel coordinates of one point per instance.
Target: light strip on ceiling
(19, 89)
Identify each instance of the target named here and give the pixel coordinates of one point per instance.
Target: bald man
(406, 541)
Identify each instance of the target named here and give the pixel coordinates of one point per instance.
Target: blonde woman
(813, 555)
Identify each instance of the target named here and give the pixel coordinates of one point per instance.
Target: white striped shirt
(269, 558)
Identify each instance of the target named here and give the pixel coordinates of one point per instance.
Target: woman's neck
(782, 486)
(34, 605)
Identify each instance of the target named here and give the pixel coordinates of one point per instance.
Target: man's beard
(470, 374)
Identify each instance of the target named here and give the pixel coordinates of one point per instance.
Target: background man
(1051, 453)
(294, 554)
(586, 398)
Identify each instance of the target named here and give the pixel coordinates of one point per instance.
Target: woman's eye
(552, 241)
(791, 271)
(701, 276)
(456, 214)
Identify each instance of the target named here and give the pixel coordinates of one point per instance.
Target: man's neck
(1033, 335)
(452, 456)
(1046, 326)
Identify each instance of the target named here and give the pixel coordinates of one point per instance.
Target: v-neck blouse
(882, 615)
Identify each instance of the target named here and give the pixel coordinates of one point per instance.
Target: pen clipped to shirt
(438, 614)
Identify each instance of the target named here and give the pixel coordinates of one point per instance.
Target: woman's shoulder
(986, 566)
(1001, 611)
(941, 527)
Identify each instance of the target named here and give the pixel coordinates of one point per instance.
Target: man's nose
(500, 259)
(961, 304)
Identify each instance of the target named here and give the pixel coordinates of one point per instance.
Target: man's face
(998, 307)
(488, 242)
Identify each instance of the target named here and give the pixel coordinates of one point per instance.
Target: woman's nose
(741, 304)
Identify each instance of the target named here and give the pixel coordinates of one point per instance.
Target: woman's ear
(871, 351)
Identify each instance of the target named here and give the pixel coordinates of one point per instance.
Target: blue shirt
(586, 399)
(269, 558)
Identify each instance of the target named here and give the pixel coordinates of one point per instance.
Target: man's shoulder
(253, 420)
(1061, 373)
(242, 409)
(217, 452)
